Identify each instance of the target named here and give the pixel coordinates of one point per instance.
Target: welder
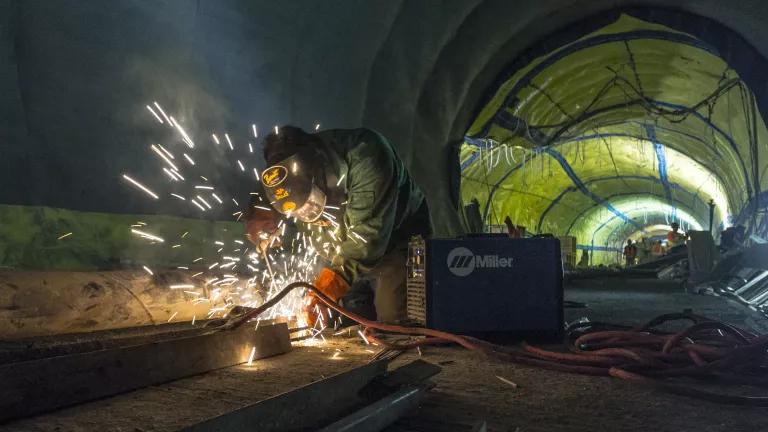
(353, 183)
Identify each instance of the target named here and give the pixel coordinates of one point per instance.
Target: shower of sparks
(232, 273)
(65, 235)
(141, 186)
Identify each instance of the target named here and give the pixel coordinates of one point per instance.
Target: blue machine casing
(495, 287)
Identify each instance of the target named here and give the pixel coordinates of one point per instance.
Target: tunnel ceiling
(633, 125)
(75, 77)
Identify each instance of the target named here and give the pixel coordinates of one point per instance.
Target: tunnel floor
(467, 390)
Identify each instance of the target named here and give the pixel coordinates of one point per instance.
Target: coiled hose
(707, 349)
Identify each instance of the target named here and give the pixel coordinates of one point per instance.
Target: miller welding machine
(492, 287)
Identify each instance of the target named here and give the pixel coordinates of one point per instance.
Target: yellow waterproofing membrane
(631, 126)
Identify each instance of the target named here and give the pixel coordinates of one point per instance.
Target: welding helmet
(291, 189)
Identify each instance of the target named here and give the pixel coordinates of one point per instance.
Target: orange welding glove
(332, 285)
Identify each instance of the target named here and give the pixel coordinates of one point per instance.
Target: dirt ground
(467, 392)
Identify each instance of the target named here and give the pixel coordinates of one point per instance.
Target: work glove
(332, 285)
(261, 229)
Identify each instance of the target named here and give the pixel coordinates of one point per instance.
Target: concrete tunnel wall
(75, 77)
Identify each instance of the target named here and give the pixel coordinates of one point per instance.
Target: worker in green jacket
(351, 184)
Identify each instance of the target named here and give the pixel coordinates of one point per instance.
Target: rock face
(42, 303)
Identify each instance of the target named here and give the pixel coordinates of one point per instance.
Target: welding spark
(146, 269)
(255, 131)
(163, 156)
(194, 317)
(363, 336)
(147, 235)
(215, 139)
(317, 126)
(198, 205)
(186, 137)
(204, 187)
(172, 316)
(176, 173)
(341, 179)
(171, 175)
(157, 105)
(236, 203)
(242, 168)
(65, 235)
(204, 201)
(181, 286)
(189, 159)
(250, 357)
(262, 208)
(277, 131)
(141, 186)
(231, 147)
(250, 147)
(155, 114)
(256, 172)
(217, 198)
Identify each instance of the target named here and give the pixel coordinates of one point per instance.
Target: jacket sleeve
(369, 218)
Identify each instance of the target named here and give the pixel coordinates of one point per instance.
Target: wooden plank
(41, 385)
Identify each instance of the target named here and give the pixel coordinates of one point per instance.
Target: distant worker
(352, 184)
(674, 236)
(514, 231)
(657, 250)
(643, 250)
(584, 261)
(630, 252)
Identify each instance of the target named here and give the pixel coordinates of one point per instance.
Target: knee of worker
(390, 288)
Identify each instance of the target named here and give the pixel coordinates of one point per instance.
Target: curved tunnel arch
(678, 120)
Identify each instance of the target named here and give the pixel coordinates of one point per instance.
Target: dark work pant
(385, 285)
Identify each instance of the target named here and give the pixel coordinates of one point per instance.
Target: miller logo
(462, 261)
(273, 176)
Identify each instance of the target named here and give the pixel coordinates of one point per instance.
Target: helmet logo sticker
(273, 176)
(289, 206)
(281, 193)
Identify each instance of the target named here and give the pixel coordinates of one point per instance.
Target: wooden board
(45, 384)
